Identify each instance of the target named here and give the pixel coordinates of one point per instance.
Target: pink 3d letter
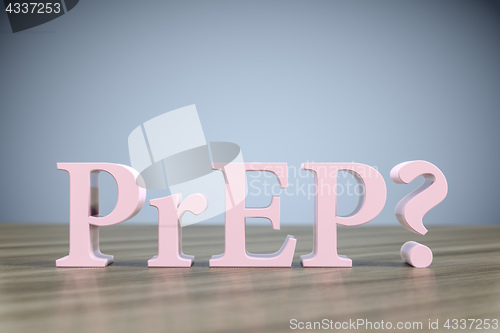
(170, 211)
(84, 209)
(369, 205)
(412, 208)
(235, 254)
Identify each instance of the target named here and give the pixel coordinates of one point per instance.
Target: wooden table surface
(35, 296)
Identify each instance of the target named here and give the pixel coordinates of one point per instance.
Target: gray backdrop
(375, 82)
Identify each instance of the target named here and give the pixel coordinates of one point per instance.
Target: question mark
(412, 208)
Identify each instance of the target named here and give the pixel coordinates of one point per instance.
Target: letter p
(84, 221)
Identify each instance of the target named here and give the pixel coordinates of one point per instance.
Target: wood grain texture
(462, 282)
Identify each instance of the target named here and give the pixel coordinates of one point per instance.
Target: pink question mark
(412, 208)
